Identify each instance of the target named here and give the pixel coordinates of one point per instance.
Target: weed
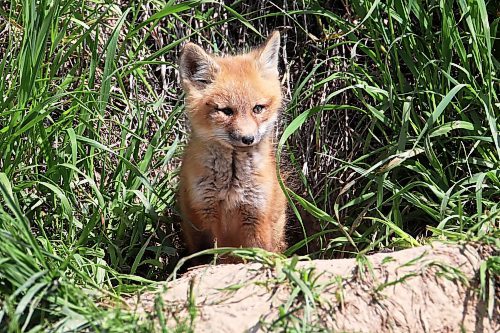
(390, 136)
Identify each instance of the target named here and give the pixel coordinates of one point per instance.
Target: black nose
(248, 140)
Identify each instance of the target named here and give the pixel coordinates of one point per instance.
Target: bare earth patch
(431, 288)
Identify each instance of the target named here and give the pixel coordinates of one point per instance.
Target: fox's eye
(258, 108)
(226, 111)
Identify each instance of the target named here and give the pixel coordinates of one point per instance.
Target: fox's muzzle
(242, 140)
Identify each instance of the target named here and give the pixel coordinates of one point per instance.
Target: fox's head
(234, 100)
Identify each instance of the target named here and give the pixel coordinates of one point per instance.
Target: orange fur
(229, 193)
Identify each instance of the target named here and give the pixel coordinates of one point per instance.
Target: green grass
(390, 134)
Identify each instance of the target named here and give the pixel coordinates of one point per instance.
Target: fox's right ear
(196, 66)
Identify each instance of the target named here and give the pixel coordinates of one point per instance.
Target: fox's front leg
(253, 231)
(198, 222)
(256, 229)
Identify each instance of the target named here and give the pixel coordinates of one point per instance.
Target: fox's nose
(248, 139)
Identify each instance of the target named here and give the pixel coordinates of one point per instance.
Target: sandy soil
(425, 289)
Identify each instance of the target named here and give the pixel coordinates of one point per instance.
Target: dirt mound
(427, 289)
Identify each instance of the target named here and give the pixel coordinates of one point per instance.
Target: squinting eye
(258, 108)
(226, 111)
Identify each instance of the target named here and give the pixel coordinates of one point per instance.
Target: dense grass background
(390, 137)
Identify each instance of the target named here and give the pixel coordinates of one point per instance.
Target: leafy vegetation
(390, 137)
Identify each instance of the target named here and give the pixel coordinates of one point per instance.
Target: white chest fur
(229, 179)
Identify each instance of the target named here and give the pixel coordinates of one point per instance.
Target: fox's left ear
(268, 54)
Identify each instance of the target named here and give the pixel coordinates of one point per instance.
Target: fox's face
(232, 100)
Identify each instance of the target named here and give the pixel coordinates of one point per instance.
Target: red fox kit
(229, 192)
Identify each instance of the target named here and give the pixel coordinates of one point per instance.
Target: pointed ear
(268, 54)
(196, 66)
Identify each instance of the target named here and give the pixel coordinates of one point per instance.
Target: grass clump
(391, 135)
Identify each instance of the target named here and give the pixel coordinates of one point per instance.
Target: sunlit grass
(390, 137)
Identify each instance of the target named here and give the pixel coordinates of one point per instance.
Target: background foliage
(390, 136)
